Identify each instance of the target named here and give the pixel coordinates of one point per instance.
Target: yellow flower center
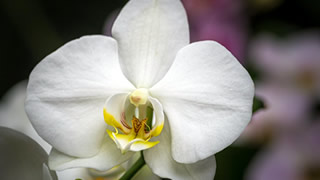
(133, 133)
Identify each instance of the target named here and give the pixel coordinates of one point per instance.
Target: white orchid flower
(200, 96)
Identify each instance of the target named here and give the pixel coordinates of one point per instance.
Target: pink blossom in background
(275, 164)
(293, 61)
(219, 20)
(286, 110)
(289, 83)
(294, 156)
(107, 27)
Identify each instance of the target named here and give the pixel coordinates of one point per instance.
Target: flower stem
(134, 169)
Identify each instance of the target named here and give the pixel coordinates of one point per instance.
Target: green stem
(134, 169)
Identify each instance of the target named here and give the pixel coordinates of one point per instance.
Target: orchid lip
(135, 125)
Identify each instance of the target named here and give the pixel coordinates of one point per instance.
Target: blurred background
(277, 41)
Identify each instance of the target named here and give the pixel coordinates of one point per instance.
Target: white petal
(21, 156)
(72, 174)
(67, 91)
(159, 159)
(108, 157)
(207, 97)
(159, 116)
(114, 111)
(91, 174)
(46, 172)
(13, 115)
(149, 33)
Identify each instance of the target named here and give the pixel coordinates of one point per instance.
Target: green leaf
(232, 162)
(257, 104)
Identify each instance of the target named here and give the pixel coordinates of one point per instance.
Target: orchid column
(90, 98)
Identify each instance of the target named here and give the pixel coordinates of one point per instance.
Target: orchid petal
(207, 96)
(128, 142)
(159, 117)
(108, 157)
(22, 157)
(13, 115)
(72, 174)
(67, 91)
(114, 112)
(142, 145)
(159, 159)
(149, 33)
